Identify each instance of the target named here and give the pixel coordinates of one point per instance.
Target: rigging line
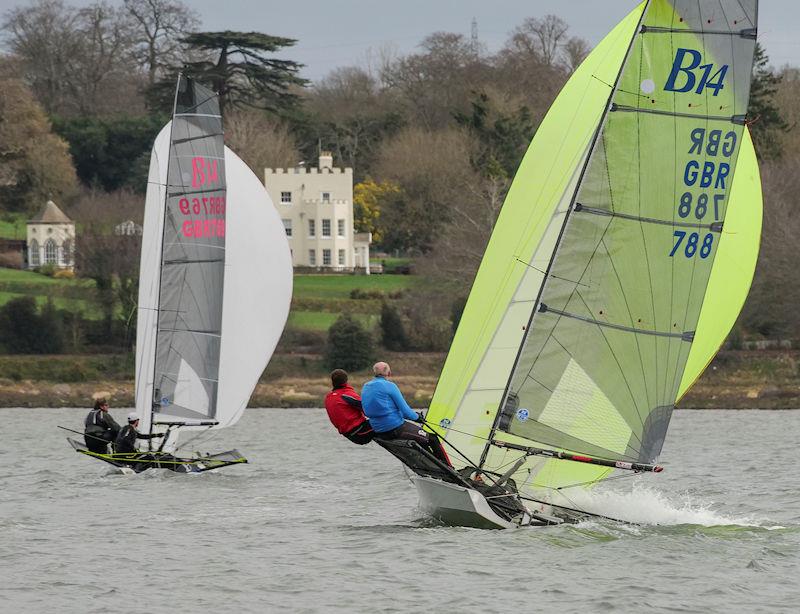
(577, 509)
(713, 226)
(636, 337)
(550, 275)
(529, 376)
(640, 95)
(734, 119)
(622, 373)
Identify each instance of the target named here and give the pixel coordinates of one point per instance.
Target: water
(316, 524)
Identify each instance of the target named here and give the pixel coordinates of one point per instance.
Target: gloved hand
(420, 417)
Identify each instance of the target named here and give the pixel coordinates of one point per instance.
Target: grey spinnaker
(186, 368)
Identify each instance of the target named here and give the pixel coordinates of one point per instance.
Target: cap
(133, 416)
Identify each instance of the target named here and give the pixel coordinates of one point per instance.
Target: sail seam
(685, 336)
(714, 226)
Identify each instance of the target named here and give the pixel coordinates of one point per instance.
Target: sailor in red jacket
(344, 410)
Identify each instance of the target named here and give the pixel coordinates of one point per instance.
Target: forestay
(595, 278)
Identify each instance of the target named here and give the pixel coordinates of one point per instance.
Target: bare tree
(542, 37)
(160, 26)
(575, 51)
(262, 142)
(45, 37)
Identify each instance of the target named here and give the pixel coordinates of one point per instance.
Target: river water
(316, 524)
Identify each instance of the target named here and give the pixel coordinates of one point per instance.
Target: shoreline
(768, 379)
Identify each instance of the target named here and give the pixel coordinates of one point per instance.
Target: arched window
(50, 252)
(66, 253)
(33, 253)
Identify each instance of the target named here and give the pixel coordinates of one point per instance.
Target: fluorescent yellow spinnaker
(622, 255)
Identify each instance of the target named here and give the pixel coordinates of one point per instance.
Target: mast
(570, 209)
(157, 391)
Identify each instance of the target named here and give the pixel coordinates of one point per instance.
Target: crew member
(388, 413)
(344, 410)
(100, 428)
(125, 443)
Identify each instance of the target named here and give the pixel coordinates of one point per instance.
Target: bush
(46, 269)
(349, 346)
(64, 274)
(24, 331)
(392, 330)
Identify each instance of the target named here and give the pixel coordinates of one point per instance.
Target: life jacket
(342, 415)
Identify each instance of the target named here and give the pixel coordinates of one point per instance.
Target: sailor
(125, 442)
(388, 413)
(100, 428)
(344, 410)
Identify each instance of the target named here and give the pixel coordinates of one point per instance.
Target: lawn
(322, 320)
(340, 286)
(13, 226)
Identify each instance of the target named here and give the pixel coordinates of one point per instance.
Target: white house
(51, 238)
(316, 205)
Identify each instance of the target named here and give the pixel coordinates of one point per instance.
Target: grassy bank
(735, 380)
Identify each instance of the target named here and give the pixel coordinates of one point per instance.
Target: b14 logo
(687, 71)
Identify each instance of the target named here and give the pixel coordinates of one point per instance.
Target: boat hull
(457, 505)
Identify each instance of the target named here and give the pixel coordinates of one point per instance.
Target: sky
(337, 33)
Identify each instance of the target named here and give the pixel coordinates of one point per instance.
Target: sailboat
(621, 258)
(214, 289)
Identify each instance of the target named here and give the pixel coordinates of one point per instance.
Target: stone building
(316, 206)
(51, 239)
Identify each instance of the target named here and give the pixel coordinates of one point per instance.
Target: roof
(50, 214)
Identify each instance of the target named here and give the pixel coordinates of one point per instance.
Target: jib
(686, 61)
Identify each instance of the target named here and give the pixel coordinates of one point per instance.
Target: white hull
(457, 505)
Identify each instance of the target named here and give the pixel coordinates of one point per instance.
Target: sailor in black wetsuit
(127, 436)
(100, 428)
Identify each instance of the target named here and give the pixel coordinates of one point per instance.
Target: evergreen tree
(767, 122)
(24, 331)
(238, 67)
(392, 329)
(349, 347)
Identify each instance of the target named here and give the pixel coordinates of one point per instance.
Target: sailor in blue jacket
(387, 410)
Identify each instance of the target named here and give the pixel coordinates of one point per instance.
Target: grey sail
(192, 259)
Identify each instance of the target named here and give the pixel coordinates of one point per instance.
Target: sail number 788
(690, 246)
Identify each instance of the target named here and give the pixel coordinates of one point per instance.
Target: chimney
(325, 159)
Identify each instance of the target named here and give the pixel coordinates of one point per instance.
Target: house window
(50, 252)
(326, 197)
(326, 228)
(312, 228)
(287, 226)
(33, 253)
(326, 257)
(341, 257)
(286, 198)
(340, 228)
(66, 253)
(312, 257)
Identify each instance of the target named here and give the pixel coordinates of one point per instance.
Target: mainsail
(625, 225)
(216, 277)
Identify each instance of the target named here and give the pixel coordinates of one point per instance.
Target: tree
(34, 163)
(78, 62)
(260, 140)
(393, 333)
(107, 151)
(368, 198)
(160, 26)
(349, 345)
(349, 114)
(240, 70)
(24, 331)
(542, 37)
(767, 121)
